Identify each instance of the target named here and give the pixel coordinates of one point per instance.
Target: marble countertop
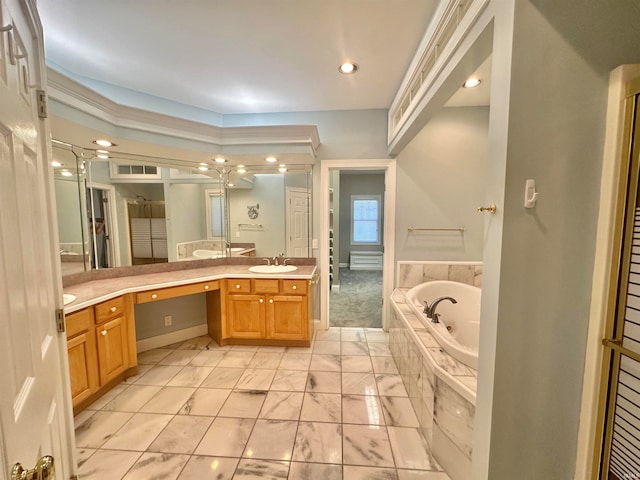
(96, 291)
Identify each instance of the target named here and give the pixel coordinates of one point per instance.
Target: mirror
(127, 210)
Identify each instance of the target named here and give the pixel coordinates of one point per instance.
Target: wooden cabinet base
(104, 389)
(265, 342)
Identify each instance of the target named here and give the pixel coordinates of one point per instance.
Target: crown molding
(68, 92)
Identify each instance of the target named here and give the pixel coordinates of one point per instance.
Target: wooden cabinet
(83, 358)
(101, 346)
(272, 310)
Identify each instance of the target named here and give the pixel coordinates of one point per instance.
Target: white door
(35, 418)
(297, 222)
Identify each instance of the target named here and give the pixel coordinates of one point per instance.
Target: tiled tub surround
(337, 410)
(441, 389)
(409, 274)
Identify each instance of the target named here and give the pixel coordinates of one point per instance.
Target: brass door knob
(490, 209)
(44, 470)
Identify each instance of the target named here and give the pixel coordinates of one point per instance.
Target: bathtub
(459, 327)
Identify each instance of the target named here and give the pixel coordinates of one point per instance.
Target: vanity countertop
(96, 291)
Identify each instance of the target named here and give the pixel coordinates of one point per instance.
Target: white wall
(562, 53)
(268, 192)
(441, 179)
(186, 212)
(68, 207)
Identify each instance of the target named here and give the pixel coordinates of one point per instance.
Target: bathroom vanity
(242, 308)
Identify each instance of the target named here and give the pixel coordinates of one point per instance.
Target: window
(365, 219)
(215, 217)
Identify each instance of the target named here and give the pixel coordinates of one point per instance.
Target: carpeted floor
(358, 302)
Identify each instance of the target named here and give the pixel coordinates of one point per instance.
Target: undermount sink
(272, 268)
(67, 298)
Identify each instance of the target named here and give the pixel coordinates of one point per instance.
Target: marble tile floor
(337, 410)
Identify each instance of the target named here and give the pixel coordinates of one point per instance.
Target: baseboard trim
(343, 264)
(169, 338)
(335, 288)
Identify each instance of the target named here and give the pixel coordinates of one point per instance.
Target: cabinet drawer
(240, 285)
(109, 309)
(262, 285)
(298, 287)
(79, 322)
(172, 292)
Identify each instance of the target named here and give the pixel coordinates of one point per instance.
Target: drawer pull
(206, 287)
(113, 309)
(261, 300)
(103, 333)
(237, 286)
(154, 295)
(271, 300)
(295, 287)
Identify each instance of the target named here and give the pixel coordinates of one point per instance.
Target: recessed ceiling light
(219, 160)
(56, 163)
(472, 82)
(104, 143)
(203, 168)
(66, 173)
(271, 159)
(103, 156)
(348, 68)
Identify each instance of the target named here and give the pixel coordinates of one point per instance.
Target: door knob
(44, 470)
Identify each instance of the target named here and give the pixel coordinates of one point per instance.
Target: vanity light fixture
(472, 82)
(104, 143)
(103, 156)
(102, 151)
(219, 160)
(241, 169)
(231, 184)
(203, 168)
(271, 159)
(56, 164)
(348, 68)
(283, 168)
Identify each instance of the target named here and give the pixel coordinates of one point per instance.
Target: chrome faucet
(430, 310)
(267, 260)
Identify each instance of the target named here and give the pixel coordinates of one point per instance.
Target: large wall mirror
(131, 210)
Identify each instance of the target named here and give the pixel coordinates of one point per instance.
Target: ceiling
(238, 56)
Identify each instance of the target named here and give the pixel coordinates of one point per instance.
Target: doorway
(356, 203)
(345, 283)
(101, 226)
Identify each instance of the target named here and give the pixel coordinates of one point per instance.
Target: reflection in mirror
(132, 210)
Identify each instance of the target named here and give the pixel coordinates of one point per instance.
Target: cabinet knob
(237, 286)
(154, 296)
(271, 300)
(206, 287)
(261, 300)
(113, 309)
(295, 287)
(103, 333)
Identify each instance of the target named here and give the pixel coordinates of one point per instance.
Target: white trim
(613, 150)
(172, 337)
(388, 234)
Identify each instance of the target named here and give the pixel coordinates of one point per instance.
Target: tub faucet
(430, 310)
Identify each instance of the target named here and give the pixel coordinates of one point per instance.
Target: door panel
(297, 223)
(35, 416)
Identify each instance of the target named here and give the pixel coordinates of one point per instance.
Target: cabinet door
(287, 317)
(245, 316)
(83, 366)
(113, 351)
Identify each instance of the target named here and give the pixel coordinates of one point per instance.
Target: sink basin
(68, 298)
(272, 268)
